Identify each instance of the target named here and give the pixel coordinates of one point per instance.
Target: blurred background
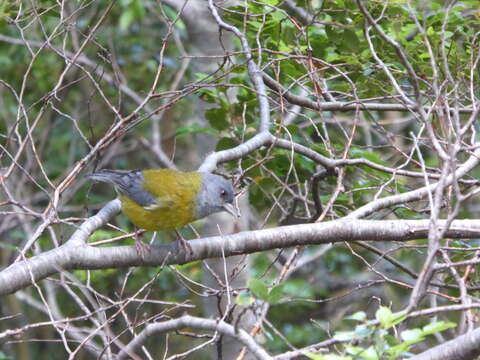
(129, 84)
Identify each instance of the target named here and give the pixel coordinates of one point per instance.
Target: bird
(166, 199)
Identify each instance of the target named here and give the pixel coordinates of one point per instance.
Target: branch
(265, 139)
(255, 74)
(464, 347)
(222, 327)
(347, 105)
(417, 194)
(75, 255)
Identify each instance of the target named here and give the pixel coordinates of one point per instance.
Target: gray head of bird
(216, 194)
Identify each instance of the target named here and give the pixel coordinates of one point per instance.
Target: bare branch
(73, 256)
(222, 327)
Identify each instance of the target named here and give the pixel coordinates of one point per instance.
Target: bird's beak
(231, 209)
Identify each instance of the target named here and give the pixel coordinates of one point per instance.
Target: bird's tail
(115, 177)
(127, 182)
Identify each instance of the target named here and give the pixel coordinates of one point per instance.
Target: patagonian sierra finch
(164, 199)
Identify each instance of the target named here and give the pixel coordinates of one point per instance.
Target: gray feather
(129, 183)
(214, 193)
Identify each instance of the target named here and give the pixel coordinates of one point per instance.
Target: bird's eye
(223, 192)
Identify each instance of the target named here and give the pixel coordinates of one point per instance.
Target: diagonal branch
(464, 347)
(416, 194)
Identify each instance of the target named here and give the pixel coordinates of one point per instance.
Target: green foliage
(327, 55)
(132, 10)
(183, 131)
(218, 119)
(244, 299)
(376, 340)
(262, 292)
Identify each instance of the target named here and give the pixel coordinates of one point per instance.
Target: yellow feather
(176, 199)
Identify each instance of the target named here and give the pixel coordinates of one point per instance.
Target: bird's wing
(130, 183)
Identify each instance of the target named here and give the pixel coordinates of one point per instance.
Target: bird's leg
(183, 243)
(141, 247)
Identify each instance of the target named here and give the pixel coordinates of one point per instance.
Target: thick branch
(72, 256)
(464, 347)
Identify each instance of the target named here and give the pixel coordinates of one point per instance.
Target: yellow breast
(176, 193)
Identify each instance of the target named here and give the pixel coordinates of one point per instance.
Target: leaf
(217, 117)
(398, 317)
(275, 294)
(205, 94)
(344, 335)
(384, 316)
(314, 356)
(126, 19)
(350, 40)
(413, 334)
(388, 319)
(244, 299)
(270, 2)
(362, 331)
(358, 316)
(183, 131)
(225, 143)
(370, 354)
(354, 350)
(402, 348)
(437, 326)
(358, 153)
(258, 288)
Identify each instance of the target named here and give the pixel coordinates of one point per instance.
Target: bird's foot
(142, 248)
(184, 243)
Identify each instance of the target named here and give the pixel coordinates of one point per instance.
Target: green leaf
(314, 356)
(437, 326)
(206, 94)
(244, 299)
(350, 40)
(275, 294)
(354, 350)
(183, 131)
(402, 348)
(285, 48)
(384, 316)
(362, 331)
(413, 334)
(217, 117)
(357, 153)
(370, 354)
(126, 19)
(360, 353)
(258, 288)
(388, 319)
(270, 2)
(225, 143)
(344, 335)
(358, 316)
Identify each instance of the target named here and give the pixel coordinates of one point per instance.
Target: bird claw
(142, 248)
(184, 244)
